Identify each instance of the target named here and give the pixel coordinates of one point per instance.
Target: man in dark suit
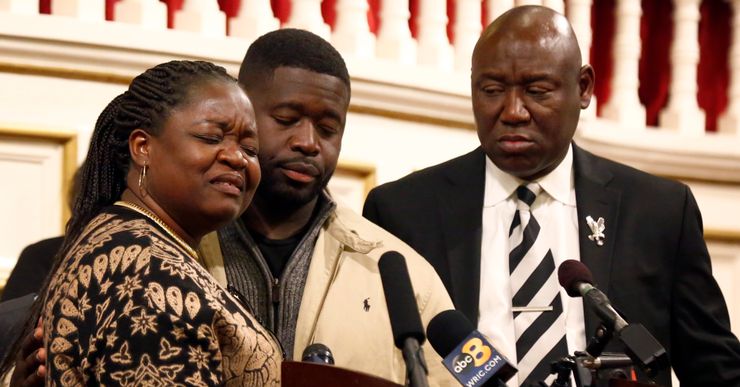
(528, 87)
(31, 268)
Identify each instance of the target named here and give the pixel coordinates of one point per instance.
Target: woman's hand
(30, 366)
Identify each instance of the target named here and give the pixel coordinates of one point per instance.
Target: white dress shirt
(555, 211)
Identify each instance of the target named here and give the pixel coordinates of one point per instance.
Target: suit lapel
(460, 207)
(595, 198)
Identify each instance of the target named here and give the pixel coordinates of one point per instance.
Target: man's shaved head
(528, 87)
(535, 23)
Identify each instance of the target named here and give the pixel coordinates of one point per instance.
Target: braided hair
(146, 104)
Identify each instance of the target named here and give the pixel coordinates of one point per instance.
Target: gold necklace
(160, 222)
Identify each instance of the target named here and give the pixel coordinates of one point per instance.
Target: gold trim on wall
(68, 141)
(715, 235)
(362, 171)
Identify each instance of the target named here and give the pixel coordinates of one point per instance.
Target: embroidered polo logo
(366, 304)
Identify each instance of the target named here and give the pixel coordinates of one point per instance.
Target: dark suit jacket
(654, 264)
(13, 315)
(32, 267)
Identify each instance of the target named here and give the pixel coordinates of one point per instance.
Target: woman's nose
(234, 156)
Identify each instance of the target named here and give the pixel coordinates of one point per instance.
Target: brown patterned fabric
(129, 307)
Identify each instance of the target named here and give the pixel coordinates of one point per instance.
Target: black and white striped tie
(539, 321)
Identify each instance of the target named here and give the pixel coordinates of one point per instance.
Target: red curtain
(602, 25)
(656, 32)
(715, 31)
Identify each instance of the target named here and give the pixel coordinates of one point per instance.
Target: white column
(201, 16)
(19, 6)
(147, 13)
(579, 15)
(528, 2)
(683, 113)
(255, 18)
(434, 47)
(496, 7)
(729, 121)
(624, 104)
(557, 5)
(352, 34)
(87, 10)
(467, 31)
(306, 15)
(394, 36)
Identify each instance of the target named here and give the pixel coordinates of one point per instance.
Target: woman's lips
(231, 184)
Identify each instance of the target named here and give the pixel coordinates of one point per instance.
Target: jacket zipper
(276, 304)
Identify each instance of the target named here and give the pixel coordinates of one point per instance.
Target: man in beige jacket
(307, 267)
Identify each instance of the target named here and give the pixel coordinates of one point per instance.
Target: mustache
(300, 160)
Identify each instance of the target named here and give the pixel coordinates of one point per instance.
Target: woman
(170, 160)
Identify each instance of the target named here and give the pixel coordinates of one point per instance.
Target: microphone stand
(599, 340)
(562, 369)
(416, 368)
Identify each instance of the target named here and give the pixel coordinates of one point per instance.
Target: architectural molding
(717, 235)
(711, 158)
(67, 139)
(362, 171)
(112, 52)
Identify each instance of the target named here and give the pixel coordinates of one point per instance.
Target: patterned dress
(128, 306)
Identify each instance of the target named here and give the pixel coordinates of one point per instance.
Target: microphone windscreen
(572, 272)
(447, 330)
(399, 296)
(317, 353)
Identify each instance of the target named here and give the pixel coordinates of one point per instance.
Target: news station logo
(474, 361)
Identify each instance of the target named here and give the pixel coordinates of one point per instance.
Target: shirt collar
(559, 183)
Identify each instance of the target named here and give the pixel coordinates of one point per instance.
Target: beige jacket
(343, 303)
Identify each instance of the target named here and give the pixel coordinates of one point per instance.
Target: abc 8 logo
(472, 352)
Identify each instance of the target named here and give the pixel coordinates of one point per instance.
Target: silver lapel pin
(597, 230)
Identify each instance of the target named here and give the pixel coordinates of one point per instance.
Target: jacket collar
(460, 210)
(596, 197)
(343, 230)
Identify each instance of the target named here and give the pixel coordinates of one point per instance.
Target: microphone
(408, 333)
(318, 353)
(577, 280)
(466, 353)
(640, 345)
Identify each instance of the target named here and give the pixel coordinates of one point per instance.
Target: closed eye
(250, 150)
(492, 90)
(537, 91)
(285, 121)
(328, 129)
(210, 139)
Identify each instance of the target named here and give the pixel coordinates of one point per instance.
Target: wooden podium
(300, 374)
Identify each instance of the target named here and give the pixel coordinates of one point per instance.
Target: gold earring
(142, 180)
